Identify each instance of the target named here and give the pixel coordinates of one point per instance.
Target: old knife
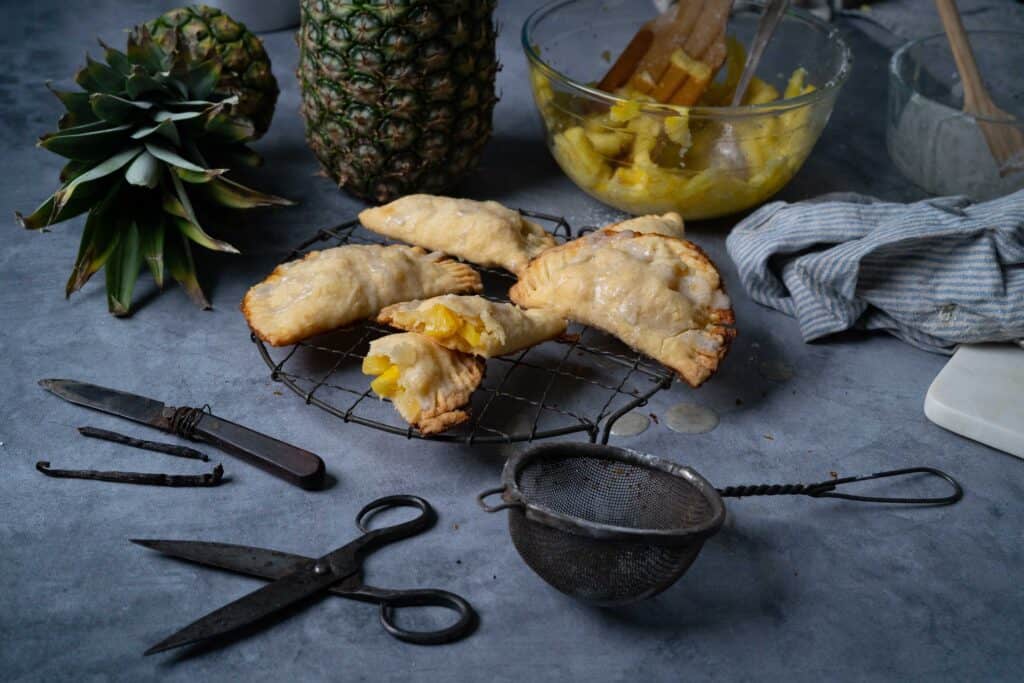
(283, 460)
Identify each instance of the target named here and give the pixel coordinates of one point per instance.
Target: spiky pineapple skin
(398, 95)
(207, 33)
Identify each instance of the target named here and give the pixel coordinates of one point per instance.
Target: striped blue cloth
(936, 273)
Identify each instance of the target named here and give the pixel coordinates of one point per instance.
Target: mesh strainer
(612, 526)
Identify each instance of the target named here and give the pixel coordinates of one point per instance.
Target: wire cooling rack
(581, 383)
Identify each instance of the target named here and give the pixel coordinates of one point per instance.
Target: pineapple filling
(647, 162)
(444, 324)
(387, 374)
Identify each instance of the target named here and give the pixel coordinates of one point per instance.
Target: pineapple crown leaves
(139, 138)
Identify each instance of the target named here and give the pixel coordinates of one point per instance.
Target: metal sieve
(613, 526)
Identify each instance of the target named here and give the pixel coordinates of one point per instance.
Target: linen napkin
(935, 273)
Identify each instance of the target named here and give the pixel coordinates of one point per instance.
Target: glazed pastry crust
(336, 287)
(437, 382)
(506, 328)
(660, 295)
(671, 225)
(485, 233)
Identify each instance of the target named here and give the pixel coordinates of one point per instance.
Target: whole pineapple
(207, 33)
(147, 139)
(398, 95)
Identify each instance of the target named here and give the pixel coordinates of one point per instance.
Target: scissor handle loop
(387, 534)
(427, 598)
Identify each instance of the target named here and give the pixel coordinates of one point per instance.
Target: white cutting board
(980, 394)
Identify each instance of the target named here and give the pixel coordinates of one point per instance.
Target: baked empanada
(335, 287)
(473, 324)
(670, 225)
(660, 295)
(485, 233)
(428, 383)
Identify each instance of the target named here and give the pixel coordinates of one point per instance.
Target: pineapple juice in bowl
(703, 161)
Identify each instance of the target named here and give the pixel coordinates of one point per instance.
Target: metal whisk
(612, 526)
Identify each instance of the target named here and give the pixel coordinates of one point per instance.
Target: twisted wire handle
(769, 490)
(827, 489)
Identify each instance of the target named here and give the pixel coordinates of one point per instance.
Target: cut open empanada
(660, 295)
(428, 384)
(473, 324)
(670, 224)
(336, 287)
(485, 233)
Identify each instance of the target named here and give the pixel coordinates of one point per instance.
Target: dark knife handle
(281, 459)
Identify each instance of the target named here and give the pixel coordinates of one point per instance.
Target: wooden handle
(625, 65)
(975, 95)
(281, 459)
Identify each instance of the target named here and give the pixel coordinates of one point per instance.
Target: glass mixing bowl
(931, 140)
(701, 161)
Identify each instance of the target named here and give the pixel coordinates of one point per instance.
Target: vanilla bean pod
(211, 479)
(156, 446)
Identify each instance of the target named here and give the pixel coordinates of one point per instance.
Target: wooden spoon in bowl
(1006, 142)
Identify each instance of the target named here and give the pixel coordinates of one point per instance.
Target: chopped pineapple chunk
(376, 365)
(441, 322)
(470, 332)
(624, 111)
(608, 143)
(386, 384)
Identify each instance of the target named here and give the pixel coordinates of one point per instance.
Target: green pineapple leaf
(195, 233)
(140, 83)
(116, 59)
(79, 110)
(73, 169)
(146, 53)
(176, 116)
(111, 165)
(229, 129)
(118, 110)
(178, 259)
(152, 242)
(122, 270)
(80, 202)
(98, 77)
(144, 171)
(99, 238)
(198, 177)
(91, 145)
(165, 129)
(202, 80)
(169, 157)
(237, 196)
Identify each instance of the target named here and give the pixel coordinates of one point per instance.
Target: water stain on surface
(691, 418)
(631, 424)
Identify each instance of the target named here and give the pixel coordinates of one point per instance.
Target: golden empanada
(485, 233)
(660, 295)
(427, 383)
(670, 225)
(473, 324)
(336, 287)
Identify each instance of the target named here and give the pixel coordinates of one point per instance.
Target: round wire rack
(582, 382)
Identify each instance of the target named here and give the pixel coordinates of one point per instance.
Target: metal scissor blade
(299, 584)
(260, 562)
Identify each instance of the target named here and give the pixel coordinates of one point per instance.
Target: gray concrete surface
(791, 589)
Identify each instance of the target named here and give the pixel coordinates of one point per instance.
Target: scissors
(295, 578)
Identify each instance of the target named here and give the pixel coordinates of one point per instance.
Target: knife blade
(122, 404)
(293, 464)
